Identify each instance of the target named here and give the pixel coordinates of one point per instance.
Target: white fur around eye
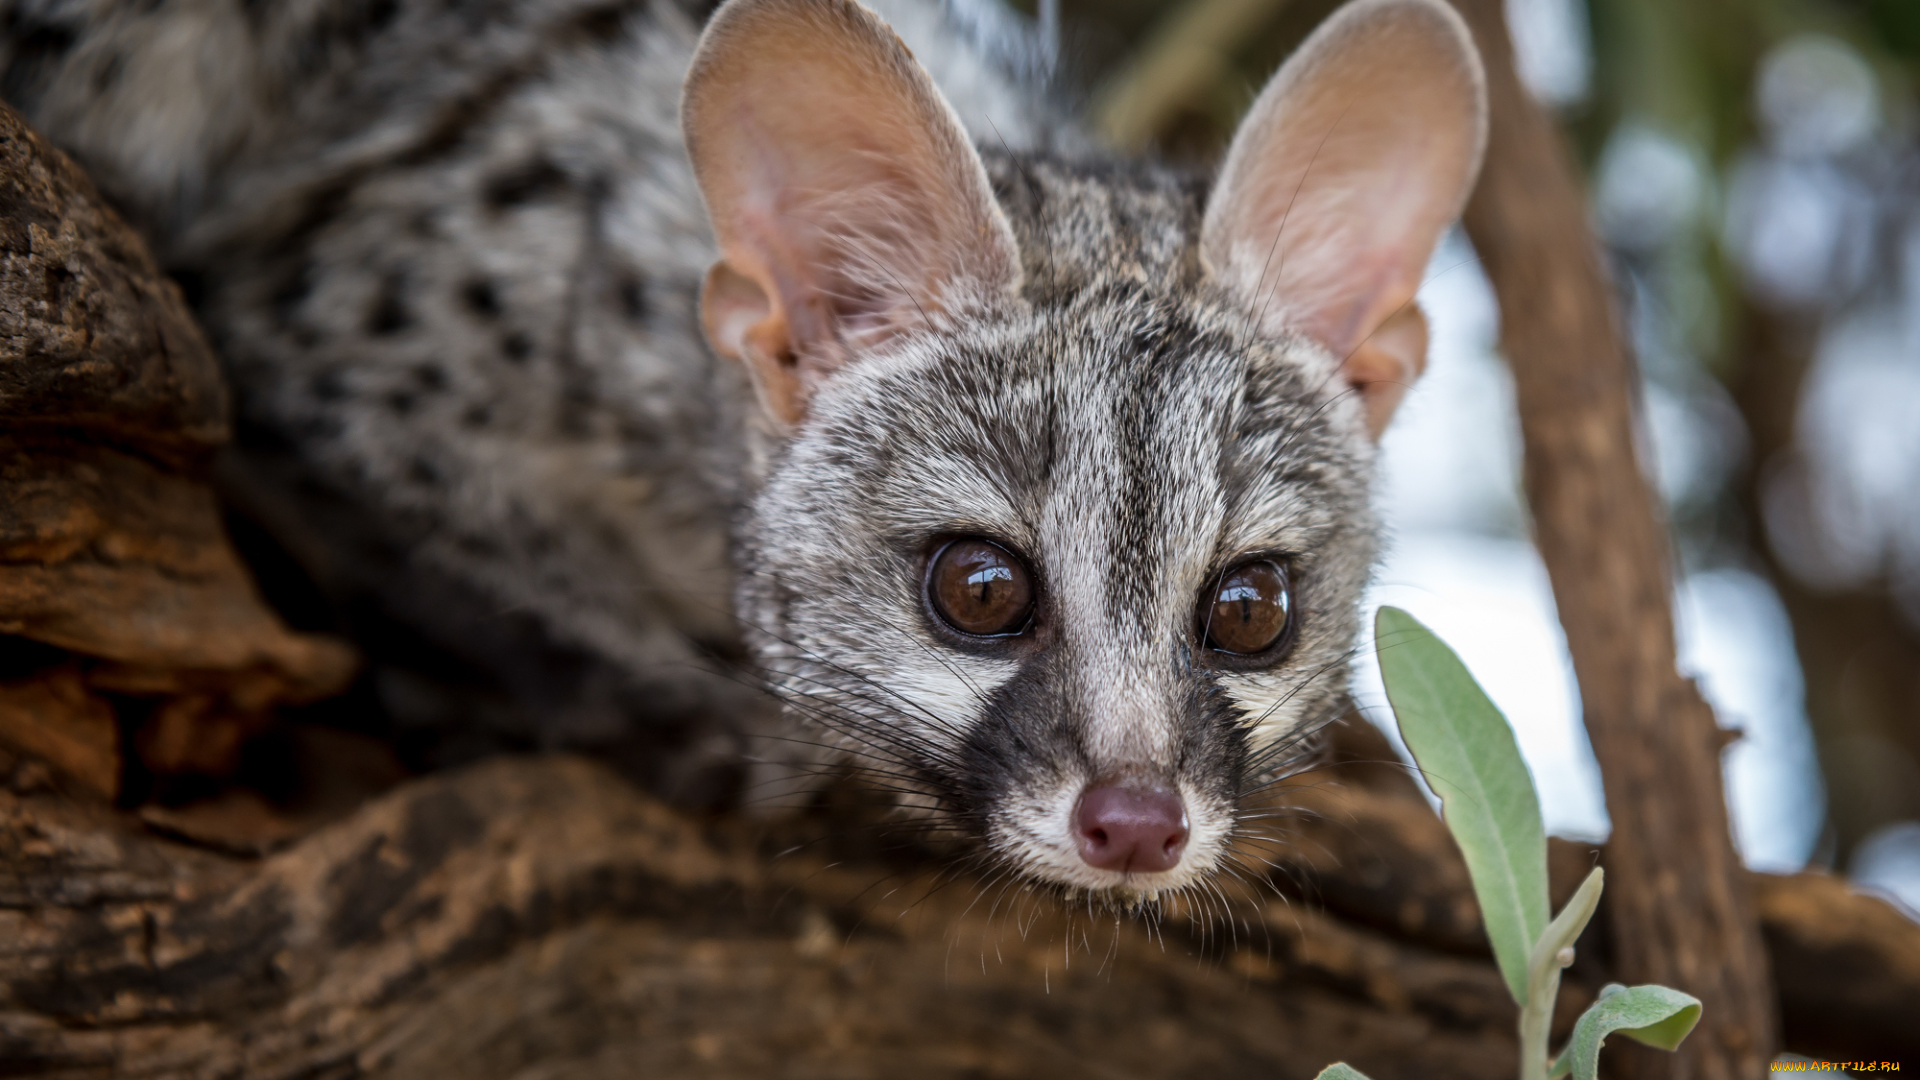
(1263, 698)
(948, 687)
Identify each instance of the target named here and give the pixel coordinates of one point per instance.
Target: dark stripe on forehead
(1149, 371)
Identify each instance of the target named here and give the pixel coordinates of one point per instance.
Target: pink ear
(846, 198)
(1357, 155)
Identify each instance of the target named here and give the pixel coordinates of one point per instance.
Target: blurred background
(1754, 174)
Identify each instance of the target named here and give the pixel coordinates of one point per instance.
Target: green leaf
(1466, 751)
(1340, 1070)
(1655, 1015)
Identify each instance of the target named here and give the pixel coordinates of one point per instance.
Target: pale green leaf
(1340, 1071)
(1656, 1015)
(1467, 753)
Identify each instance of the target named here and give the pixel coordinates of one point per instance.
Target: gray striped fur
(451, 252)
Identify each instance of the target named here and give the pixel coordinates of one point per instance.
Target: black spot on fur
(389, 314)
(376, 16)
(348, 25)
(328, 386)
(400, 402)
(430, 377)
(477, 416)
(291, 296)
(517, 346)
(193, 286)
(42, 41)
(534, 181)
(481, 298)
(37, 48)
(632, 291)
(602, 25)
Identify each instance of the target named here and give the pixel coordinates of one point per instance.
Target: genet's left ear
(1357, 155)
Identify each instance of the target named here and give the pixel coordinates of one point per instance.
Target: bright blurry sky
(1459, 559)
(1802, 223)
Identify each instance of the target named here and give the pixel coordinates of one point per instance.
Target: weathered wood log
(540, 914)
(58, 719)
(1681, 913)
(541, 917)
(1848, 968)
(96, 340)
(111, 547)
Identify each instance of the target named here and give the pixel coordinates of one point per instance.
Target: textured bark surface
(96, 339)
(539, 917)
(1681, 912)
(1848, 968)
(117, 583)
(57, 718)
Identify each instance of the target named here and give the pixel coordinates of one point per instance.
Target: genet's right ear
(846, 198)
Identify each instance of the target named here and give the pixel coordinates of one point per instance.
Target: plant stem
(1552, 953)
(1536, 1016)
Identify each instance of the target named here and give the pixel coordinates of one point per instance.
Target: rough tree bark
(1681, 910)
(539, 917)
(113, 561)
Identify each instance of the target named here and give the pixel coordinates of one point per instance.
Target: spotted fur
(451, 254)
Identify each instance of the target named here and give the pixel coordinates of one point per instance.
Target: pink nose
(1123, 828)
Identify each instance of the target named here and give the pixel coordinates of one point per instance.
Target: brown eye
(980, 588)
(1249, 609)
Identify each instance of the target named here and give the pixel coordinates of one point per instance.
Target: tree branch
(1681, 912)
